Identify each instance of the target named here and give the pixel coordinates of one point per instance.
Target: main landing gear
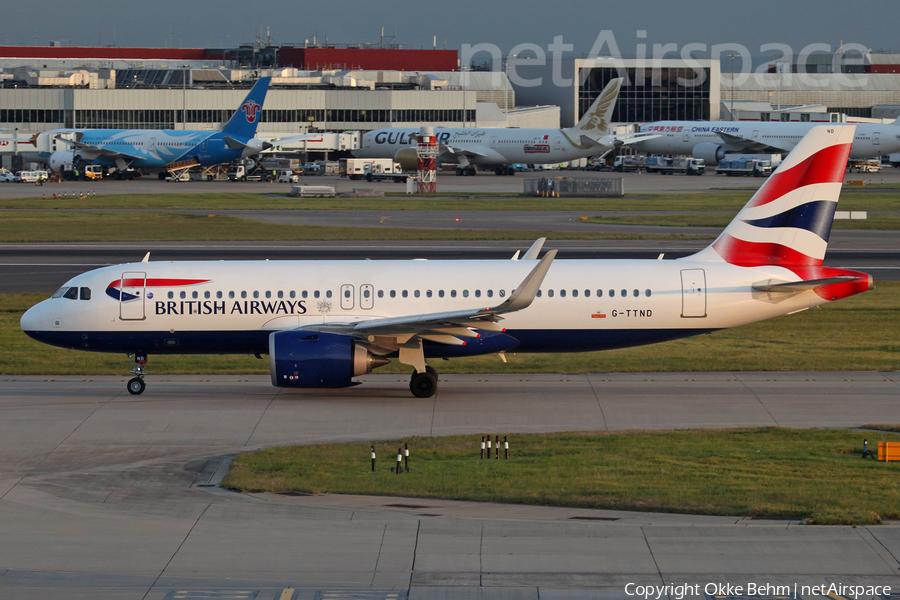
(468, 171)
(424, 385)
(136, 384)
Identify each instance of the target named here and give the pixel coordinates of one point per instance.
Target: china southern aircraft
(164, 149)
(712, 140)
(497, 148)
(324, 322)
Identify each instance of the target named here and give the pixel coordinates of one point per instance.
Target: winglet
(535, 249)
(525, 294)
(146, 258)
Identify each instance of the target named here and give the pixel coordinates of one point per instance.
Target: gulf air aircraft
(497, 148)
(712, 141)
(324, 322)
(161, 149)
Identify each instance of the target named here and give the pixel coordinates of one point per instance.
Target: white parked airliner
(324, 322)
(497, 148)
(712, 140)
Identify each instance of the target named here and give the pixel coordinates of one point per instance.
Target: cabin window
(404, 293)
(195, 295)
(243, 293)
(416, 293)
(599, 293)
(85, 293)
(316, 294)
(490, 293)
(465, 293)
(549, 293)
(440, 293)
(279, 294)
(183, 295)
(231, 294)
(478, 293)
(574, 293)
(171, 295)
(428, 293)
(381, 293)
(624, 293)
(328, 293)
(562, 293)
(255, 293)
(502, 293)
(539, 293)
(647, 293)
(587, 293)
(346, 293)
(292, 294)
(612, 293)
(366, 294)
(206, 294)
(305, 294)
(268, 294)
(453, 293)
(393, 294)
(636, 293)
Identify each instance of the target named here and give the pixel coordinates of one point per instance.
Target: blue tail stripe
(816, 217)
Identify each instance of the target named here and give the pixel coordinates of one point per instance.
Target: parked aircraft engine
(60, 159)
(408, 159)
(710, 153)
(320, 360)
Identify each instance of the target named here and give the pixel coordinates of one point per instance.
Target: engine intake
(308, 359)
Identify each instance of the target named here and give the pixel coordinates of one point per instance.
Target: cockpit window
(59, 293)
(71, 293)
(85, 293)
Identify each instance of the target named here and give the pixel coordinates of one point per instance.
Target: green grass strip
(765, 472)
(859, 333)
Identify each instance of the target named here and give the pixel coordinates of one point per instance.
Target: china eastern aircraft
(712, 140)
(163, 149)
(324, 322)
(497, 148)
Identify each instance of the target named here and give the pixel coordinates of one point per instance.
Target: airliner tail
(246, 118)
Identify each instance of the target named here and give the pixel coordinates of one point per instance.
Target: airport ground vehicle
(872, 165)
(624, 164)
(744, 167)
(287, 177)
(665, 165)
(8, 177)
(249, 170)
(372, 169)
(32, 176)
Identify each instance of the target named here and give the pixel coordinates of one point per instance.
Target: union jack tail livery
(788, 221)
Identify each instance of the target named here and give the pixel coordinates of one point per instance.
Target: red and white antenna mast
(427, 151)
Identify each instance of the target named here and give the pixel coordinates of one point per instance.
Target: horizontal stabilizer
(794, 287)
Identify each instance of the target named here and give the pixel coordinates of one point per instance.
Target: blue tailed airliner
(324, 322)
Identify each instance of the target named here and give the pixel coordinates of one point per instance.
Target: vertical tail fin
(788, 220)
(245, 119)
(595, 122)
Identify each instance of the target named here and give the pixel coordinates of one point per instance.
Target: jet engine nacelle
(408, 159)
(60, 159)
(711, 153)
(317, 360)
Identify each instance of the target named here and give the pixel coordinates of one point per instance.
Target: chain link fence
(557, 187)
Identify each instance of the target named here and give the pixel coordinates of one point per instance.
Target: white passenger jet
(497, 148)
(324, 322)
(712, 140)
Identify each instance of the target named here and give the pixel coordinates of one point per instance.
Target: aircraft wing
(626, 139)
(752, 146)
(97, 151)
(445, 327)
(469, 152)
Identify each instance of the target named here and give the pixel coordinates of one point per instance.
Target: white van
(32, 176)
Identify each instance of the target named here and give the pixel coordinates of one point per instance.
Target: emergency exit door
(693, 293)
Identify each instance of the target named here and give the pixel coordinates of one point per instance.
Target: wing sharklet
(535, 249)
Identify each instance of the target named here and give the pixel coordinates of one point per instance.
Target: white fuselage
(682, 137)
(488, 147)
(231, 307)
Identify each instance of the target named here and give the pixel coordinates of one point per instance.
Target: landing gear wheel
(470, 171)
(423, 385)
(459, 171)
(136, 386)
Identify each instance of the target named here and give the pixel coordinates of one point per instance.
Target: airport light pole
(731, 57)
(183, 103)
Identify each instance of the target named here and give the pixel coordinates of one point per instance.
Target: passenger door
(347, 296)
(131, 296)
(693, 293)
(366, 296)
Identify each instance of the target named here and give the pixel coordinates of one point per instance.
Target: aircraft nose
(35, 320)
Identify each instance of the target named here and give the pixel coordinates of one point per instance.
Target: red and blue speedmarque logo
(115, 289)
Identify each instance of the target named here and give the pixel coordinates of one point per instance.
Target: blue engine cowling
(317, 360)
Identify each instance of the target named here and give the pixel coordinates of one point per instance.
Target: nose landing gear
(136, 384)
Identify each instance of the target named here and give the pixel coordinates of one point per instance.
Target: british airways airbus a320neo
(324, 322)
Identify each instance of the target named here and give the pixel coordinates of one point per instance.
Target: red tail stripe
(825, 166)
(757, 254)
(834, 291)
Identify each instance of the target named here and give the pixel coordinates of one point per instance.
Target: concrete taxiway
(107, 495)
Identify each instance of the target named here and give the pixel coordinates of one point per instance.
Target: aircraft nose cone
(35, 320)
